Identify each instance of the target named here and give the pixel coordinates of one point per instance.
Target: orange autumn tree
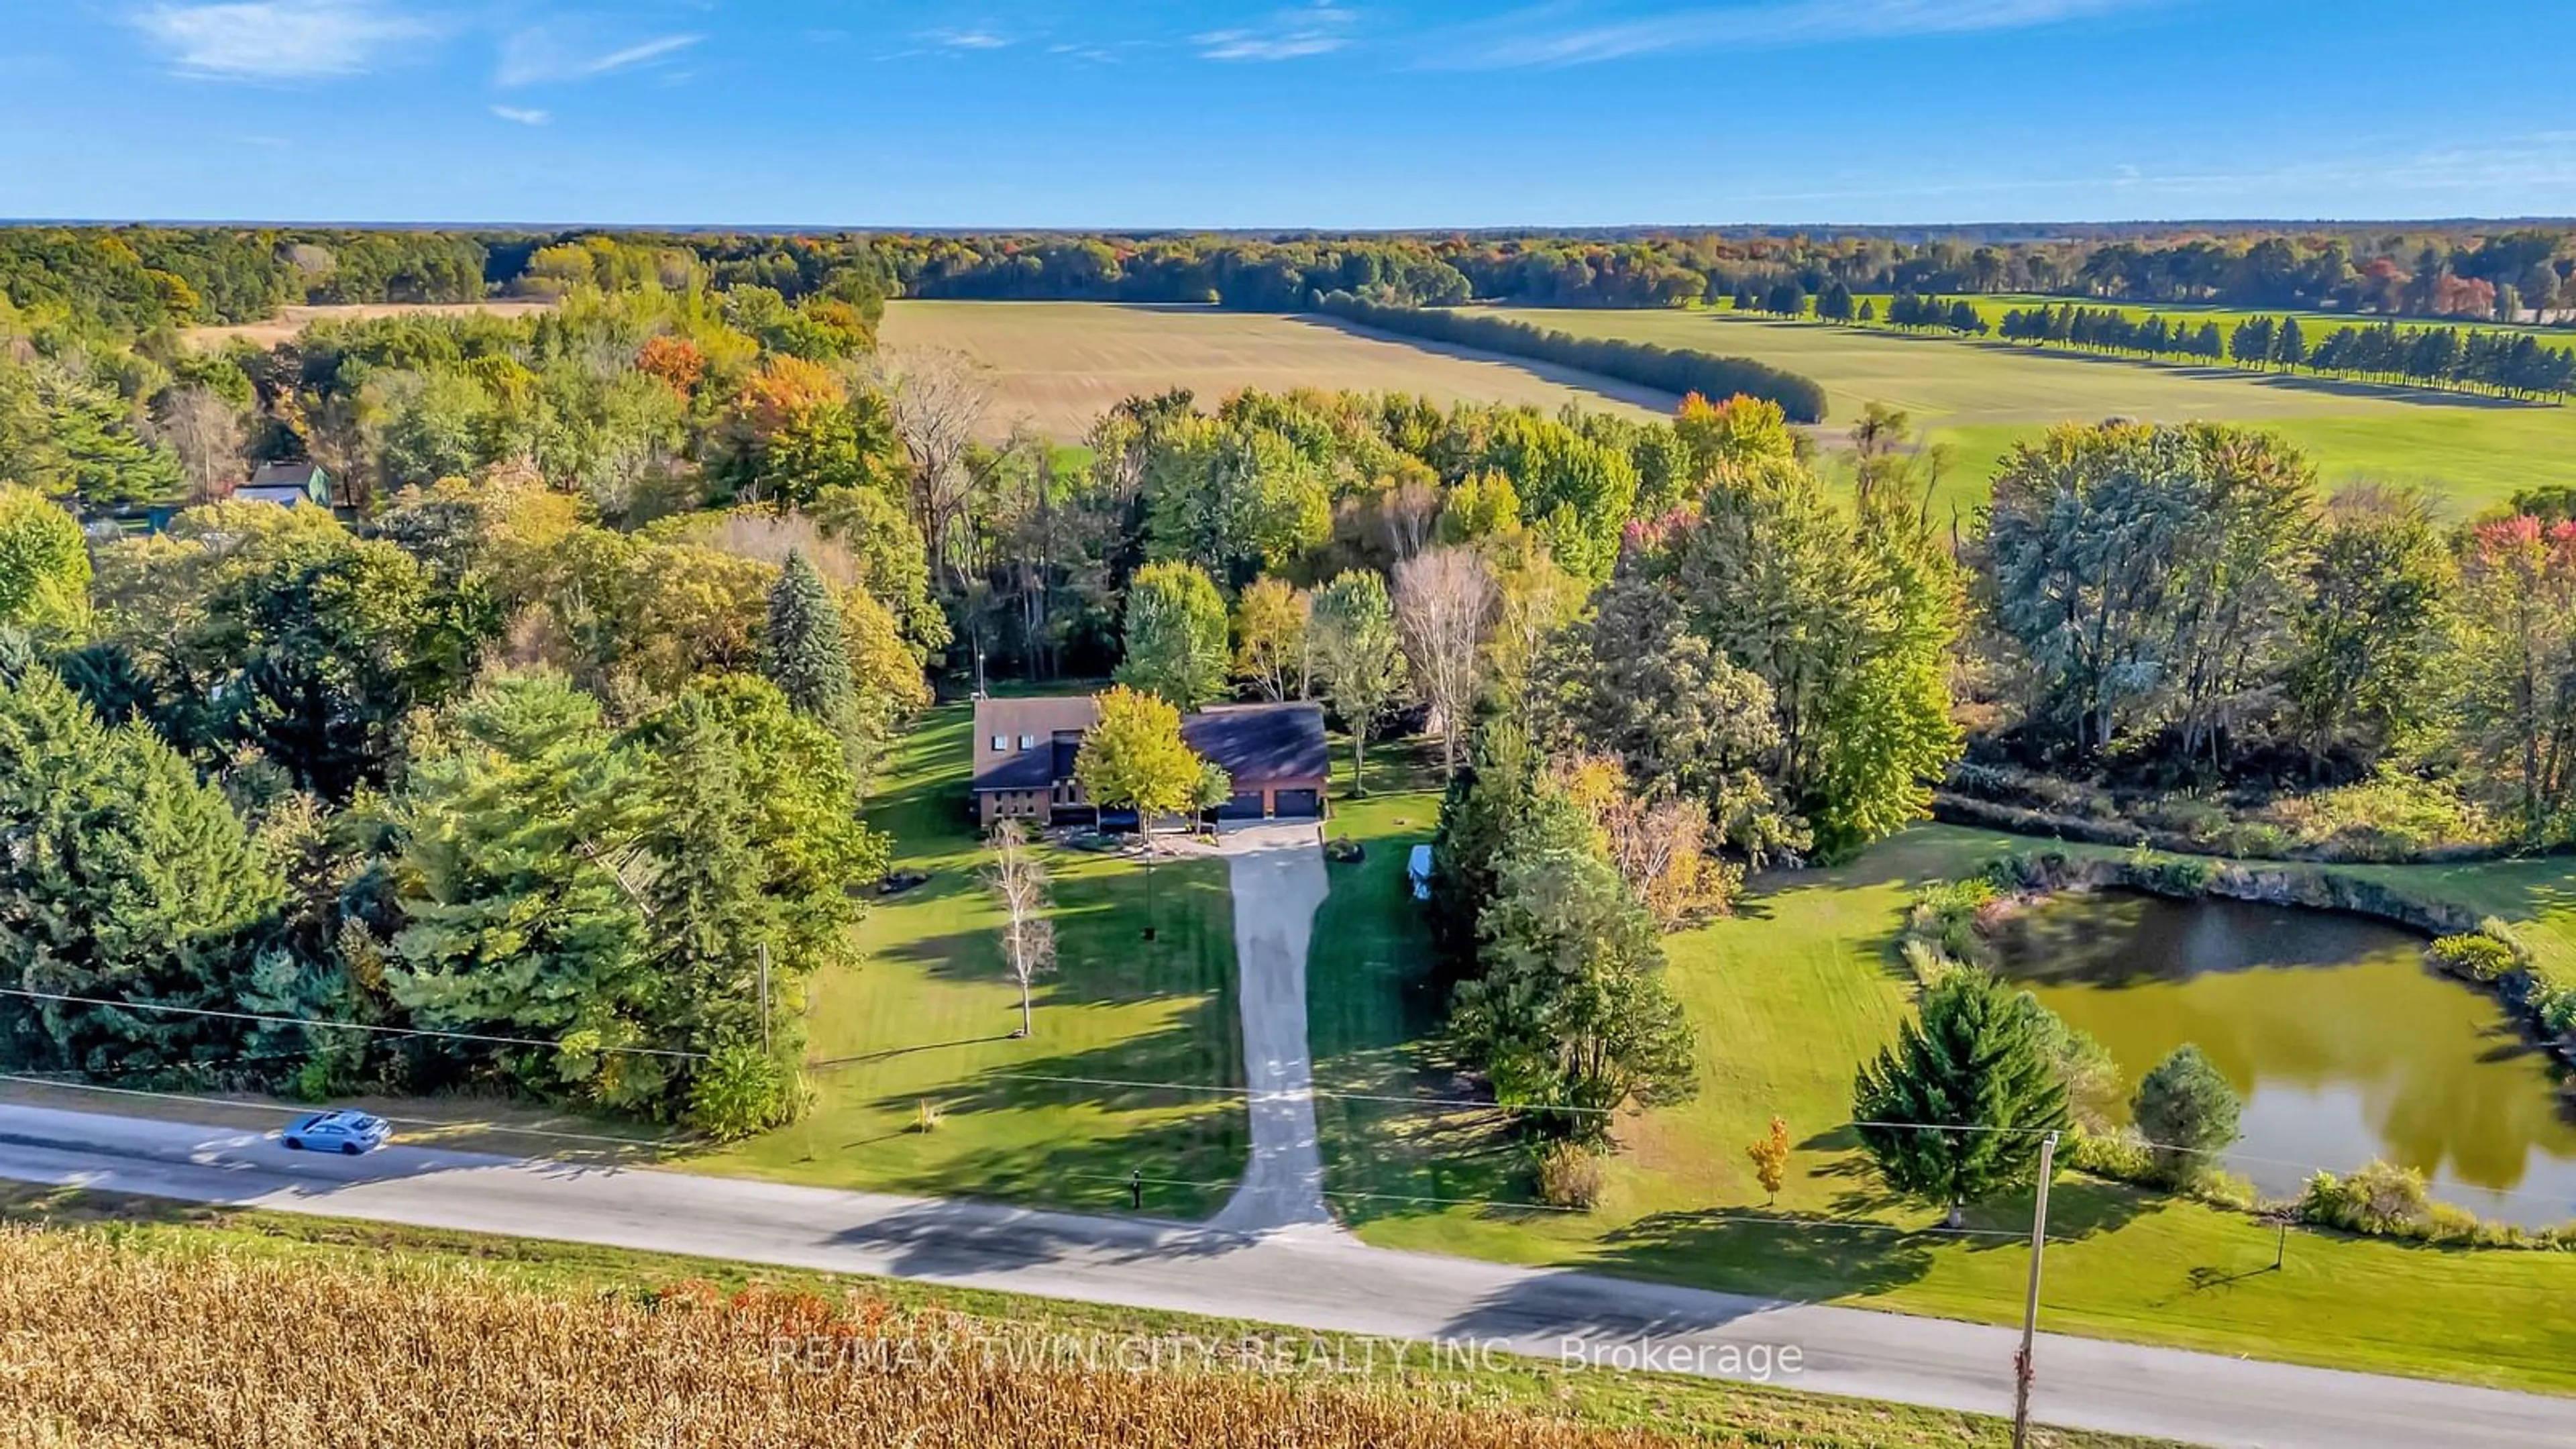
(676, 362)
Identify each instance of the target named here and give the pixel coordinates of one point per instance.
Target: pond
(2343, 1043)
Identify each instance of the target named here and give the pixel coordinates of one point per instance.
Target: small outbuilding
(1417, 869)
(289, 485)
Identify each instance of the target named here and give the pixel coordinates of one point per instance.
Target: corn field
(113, 1344)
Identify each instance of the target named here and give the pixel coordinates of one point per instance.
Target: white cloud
(538, 56)
(1317, 29)
(279, 39)
(523, 115)
(976, 39)
(1553, 36)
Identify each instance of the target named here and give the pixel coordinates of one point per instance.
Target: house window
(1028, 742)
(1001, 743)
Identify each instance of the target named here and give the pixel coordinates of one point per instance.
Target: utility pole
(764, 1004)
(2023, 1369)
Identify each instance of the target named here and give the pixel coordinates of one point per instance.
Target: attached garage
(1243, 805)
(1300, 804)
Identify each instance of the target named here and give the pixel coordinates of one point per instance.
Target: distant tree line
(2505, 364)
(132, 279)
(1643, 363)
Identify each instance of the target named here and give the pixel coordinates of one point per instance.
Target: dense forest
(138, 278)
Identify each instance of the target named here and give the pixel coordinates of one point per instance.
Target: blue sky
(1351, 113)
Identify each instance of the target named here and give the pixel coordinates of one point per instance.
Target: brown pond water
(2343, 1043)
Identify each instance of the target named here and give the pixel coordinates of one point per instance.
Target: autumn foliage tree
(1770, 1158)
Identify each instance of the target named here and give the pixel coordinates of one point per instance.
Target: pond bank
(2547, 1007)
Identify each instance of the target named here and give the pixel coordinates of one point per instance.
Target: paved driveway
(1277, 872)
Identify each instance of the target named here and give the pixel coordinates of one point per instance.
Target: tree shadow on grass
(950, 1239)
(2295, 382)
(1740, 1262)
(1149, 1105)
(1102, 955)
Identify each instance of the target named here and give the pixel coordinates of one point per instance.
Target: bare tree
(1410, 511)
(938, 405)
(206, 433)
(1444, 603)
(1019, 880)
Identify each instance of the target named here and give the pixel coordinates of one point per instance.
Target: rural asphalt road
(1277, 876)
(1307, 1281)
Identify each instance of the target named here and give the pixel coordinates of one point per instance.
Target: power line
(1445, 1103)
(422, 1031)
(306, 1111)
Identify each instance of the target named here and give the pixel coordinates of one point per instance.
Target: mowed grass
(1060, 365)
(925, 1018)
(1788, 999)
(2467, 453)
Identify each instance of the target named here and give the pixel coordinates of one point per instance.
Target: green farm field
(1788, 999)
(1060, 365)
(1982, 396)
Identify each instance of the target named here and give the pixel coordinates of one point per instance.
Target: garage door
(1300, 804)
(1245, 806)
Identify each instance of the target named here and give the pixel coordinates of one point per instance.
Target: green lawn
(1788, 999)
(1981, 396)
(927, 1015)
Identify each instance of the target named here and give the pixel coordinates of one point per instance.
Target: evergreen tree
(711, 917)
(126, 879)
(44, 564)
(518, 833)
(1953, 1112)
(808, 653)
(2187, 1110)
(2290, 344)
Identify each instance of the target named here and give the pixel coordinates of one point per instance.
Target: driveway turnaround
(1277, 872)
(1322, 1281)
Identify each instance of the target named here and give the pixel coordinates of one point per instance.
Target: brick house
(1024, 751)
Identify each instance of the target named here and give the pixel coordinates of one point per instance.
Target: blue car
(348, 1133)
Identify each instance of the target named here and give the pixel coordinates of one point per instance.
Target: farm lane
(1315, 1282)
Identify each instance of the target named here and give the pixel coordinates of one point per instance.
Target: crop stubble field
(1059, 365)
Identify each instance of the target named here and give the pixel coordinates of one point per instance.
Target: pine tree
(2187, 1110)
(1954, 1110)
(808, 655)
(713, 918)
(126, 879)
(2289, 344)
(519, 823)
